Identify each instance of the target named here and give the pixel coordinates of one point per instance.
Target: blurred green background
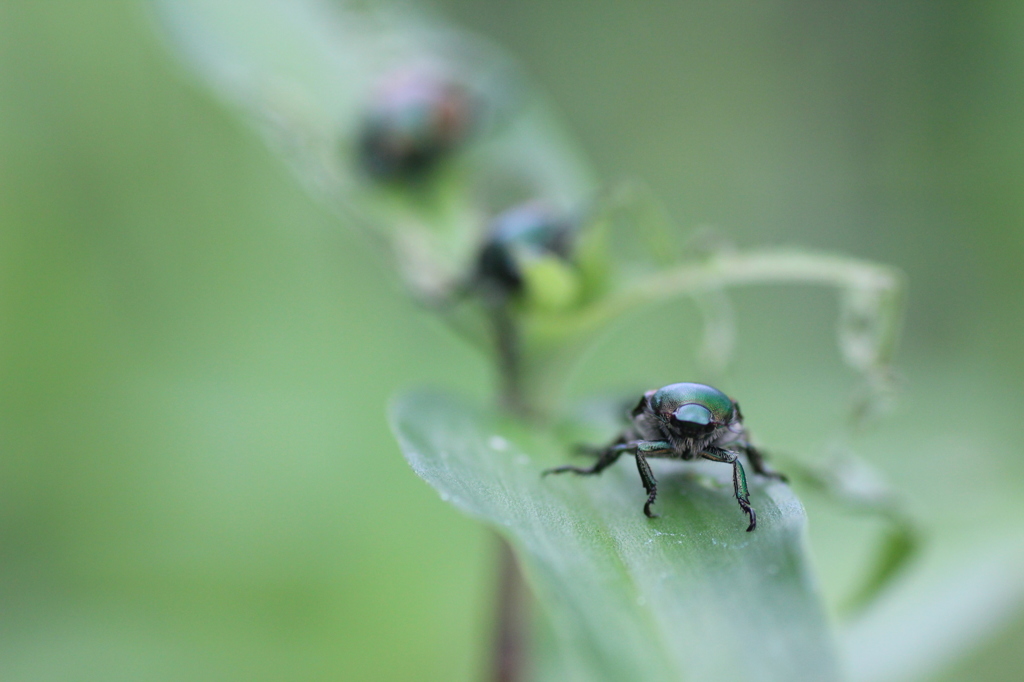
(197, 480)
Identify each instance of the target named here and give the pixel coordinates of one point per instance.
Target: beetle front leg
(649, 447)
(739, 480)
(606, 457)
(650, 484)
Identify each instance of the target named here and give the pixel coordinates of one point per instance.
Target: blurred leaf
(305, 72)
(897, 547)
(848, 482)
(550, 283)
(688, 596)
(958, 596)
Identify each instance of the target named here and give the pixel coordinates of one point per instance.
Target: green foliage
(301, 72)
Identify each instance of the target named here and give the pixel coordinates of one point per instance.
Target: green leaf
(961, 593)
(688, 596)
(550, 283)
(303, 73)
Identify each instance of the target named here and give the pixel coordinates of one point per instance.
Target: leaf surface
(687, 596)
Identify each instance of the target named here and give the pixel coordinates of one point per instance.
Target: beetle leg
(756, 458)
(606, 457)
(650, 484)
(739, 480)
(643, 448)
(609, 455)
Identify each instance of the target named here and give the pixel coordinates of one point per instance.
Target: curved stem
(870, 320)
(729, 270)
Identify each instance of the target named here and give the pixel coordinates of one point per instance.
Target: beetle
(528, 229)
(519, 242)
(413, 120)
(683, 421)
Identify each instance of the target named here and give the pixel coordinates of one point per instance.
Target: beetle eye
(694, 414)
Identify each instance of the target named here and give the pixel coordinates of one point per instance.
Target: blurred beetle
(416, 118)
(522, 235)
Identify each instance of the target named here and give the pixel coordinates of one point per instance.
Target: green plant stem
(509, 363)
(508, 652)
(730, 270)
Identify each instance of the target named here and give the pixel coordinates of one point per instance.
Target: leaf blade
(686, 596)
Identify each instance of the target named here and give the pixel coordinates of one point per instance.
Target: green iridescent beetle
(527, 231)
(415, 119)
(683, 421)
